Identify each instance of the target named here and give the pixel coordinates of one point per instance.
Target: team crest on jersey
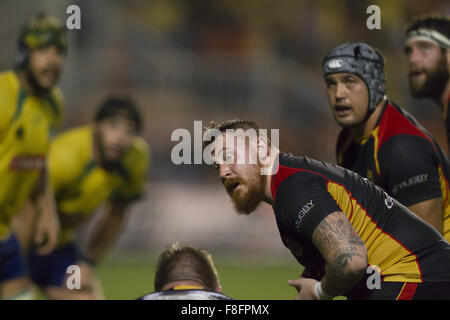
(389, 202)
(335, 64)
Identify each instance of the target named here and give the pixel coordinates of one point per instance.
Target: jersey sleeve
(409, 166)
(136, 165)
(306, 202)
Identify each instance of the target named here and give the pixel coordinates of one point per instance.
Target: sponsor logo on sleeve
(27, 163)
(410, 182)
(303, 211)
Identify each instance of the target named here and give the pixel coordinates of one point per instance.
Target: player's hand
(305, 288)
(47, 232)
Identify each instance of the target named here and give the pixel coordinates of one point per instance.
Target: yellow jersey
(25, 125)
(81, 185)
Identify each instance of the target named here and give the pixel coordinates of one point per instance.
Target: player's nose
(340, 91)
(224, 171)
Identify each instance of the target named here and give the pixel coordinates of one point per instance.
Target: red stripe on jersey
(282, 174)
(394, 123)
(408, 291)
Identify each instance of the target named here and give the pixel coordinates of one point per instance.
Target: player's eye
(228, 157)
(349, 81)
(424, 45)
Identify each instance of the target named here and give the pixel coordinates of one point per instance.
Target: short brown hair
(186, 263)
(433, 21)
(232, 124)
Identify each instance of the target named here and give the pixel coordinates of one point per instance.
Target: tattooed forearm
(342, 256)
(344, 252)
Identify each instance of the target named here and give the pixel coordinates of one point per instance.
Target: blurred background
(213, 60)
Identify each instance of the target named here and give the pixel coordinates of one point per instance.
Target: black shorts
(404, 291)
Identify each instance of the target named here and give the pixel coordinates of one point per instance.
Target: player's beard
(435, 82)
(247, 199)
(101, 149)
(34, 83)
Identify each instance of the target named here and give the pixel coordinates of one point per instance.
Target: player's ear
(263, 147)
(219, 289)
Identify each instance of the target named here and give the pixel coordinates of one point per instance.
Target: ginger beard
(433, 80)
(246, 192)
(244, 182)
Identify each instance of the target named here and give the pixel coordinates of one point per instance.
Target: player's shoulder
(139, 151)
(399, 124)
(299, 173)
(140, 147)
(9, 83)
(71, 140)
(8, 76)
(75, 134)
(308, 168)
(137, 157)
(185, 295)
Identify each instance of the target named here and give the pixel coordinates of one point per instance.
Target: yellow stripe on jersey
(396, 263)
(374, 134)
(184, 287)
(401, 291)
(445, 204)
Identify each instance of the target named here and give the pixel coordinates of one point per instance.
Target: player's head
(186, 266)
(42, 47)
(427, 48)
(117, 122)
(239, 152)
(356, 84)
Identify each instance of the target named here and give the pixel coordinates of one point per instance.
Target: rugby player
(427, 49)
(30, 107)
(335, 222)
(381, 141)
(101, 163)
(186, 273)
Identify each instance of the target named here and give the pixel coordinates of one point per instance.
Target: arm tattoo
(342, 257)
(344, 252)
(338, 230)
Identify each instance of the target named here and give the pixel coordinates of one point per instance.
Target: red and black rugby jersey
(401, 157)
(405, 248)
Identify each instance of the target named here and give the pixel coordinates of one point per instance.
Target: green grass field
(242, 278)
(130, 279)
(252, 279)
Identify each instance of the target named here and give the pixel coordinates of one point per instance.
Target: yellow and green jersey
(25, 125)
(81, 185)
